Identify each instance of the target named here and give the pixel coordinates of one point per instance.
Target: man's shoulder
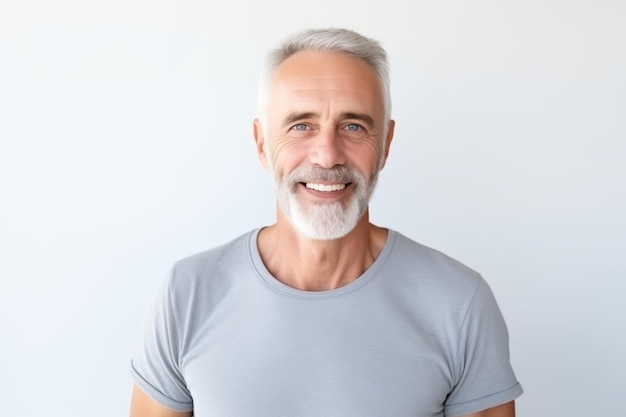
(228, 254)
(422, 262)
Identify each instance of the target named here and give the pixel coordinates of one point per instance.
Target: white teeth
(325, 187)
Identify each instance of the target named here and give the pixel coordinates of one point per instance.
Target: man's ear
(390, 127)
(259, 140)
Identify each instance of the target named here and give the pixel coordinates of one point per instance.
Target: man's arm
(141, 405)
(504, 410)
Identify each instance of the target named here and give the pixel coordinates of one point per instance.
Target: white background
(125, 144)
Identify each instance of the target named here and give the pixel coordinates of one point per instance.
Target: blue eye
(300, 126)
(353, 127)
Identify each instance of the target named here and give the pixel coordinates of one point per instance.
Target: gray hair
(333, 40)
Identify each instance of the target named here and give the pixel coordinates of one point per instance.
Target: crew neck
(284, 289)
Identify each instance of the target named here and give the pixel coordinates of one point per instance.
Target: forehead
(318, 78)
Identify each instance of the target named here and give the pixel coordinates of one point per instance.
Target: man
(323, 313)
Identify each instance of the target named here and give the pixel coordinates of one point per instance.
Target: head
(335, 40)
(324, 129)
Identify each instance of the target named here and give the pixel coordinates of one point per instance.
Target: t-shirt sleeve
(155, 367)
(485, 377)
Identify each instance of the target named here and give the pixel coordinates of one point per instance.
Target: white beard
(323, 221)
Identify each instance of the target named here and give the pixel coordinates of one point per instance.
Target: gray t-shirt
(417, 335)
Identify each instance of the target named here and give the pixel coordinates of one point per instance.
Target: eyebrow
(295, 116)
(365, 118)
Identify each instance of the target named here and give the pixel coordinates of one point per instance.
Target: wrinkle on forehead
(326, 83)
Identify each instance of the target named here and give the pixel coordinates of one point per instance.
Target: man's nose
(327, 150)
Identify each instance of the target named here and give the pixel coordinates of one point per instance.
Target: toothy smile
(325, 187)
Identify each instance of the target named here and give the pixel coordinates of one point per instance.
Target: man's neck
(318, 265)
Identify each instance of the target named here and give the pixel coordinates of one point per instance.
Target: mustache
(339, 174)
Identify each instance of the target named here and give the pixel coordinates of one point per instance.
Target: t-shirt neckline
(284, 289)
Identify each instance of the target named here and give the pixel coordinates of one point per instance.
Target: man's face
(322, 140)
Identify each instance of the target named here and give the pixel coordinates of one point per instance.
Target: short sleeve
(155, 367)
(484, 376)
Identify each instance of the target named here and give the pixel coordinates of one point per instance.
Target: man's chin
(322, 235)
(324, 223)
